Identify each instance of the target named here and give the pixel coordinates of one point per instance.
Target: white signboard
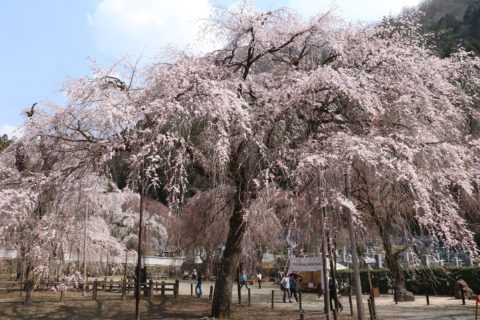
(306, 264)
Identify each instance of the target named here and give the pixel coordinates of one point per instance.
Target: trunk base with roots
(391, 258)
(403, 295)
(223, 286)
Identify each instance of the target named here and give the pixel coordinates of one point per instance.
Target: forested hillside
(455, 22)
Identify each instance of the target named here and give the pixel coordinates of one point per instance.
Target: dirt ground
(108, 306)
(440, 308)
(46, 305)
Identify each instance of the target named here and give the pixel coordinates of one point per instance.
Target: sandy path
(440, 308)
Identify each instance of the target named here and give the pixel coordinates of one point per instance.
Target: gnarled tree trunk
(391, 258)
(227, 273)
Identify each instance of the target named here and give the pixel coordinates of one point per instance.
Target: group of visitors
(289, 287)
(243, 282)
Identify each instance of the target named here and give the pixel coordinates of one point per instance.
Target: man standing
(198, 288)
(285, 286)
(259, 278)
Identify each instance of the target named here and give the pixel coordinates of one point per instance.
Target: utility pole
(353, 248)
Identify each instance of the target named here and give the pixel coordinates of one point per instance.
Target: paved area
(441, 308)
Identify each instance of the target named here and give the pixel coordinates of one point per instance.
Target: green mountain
(455, 23)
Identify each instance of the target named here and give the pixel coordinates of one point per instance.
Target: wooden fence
(148, 289)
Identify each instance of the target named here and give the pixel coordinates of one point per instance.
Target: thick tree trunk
(391, 258)
(227, 273)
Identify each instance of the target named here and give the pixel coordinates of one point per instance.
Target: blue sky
(45, 41)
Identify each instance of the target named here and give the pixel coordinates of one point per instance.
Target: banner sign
(306, 264)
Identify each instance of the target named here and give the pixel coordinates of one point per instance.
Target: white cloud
(10, 131)
(128, 27)
(354, 10)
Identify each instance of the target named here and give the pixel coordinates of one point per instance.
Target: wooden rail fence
(149, 288)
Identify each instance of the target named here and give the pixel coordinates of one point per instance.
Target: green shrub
(437, 280)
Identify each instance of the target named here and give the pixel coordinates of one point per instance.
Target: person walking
(293, 287)
(285, 286)
(135, 279)
(333, 296)
(244, 280)
(198, 288)
(259, 278)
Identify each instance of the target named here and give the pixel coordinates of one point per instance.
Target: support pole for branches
(239, 290)
(85, 248)
(353, 249)
(333, 273)
(125, 267)
(139, 260)
(326, 296)
(372, 296)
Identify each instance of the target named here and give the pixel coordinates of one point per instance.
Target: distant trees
(4, 142)
(455, 23)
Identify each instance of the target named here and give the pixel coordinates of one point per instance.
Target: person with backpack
(333, 296)
(293, 287)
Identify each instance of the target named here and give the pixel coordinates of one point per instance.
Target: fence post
(94, 292)
(350, 300)
(248, 297)
(163, 288)
(111, 285)
(370, 308)
(395, 294)
(124, 288)
(476, 306)
(177, 285)
(300, 301)
(150, 290)
(191, 289)
(104, 284)
(62, 295)
(273, 294)
(211, 293)
(428, 298)
(239, 290)
(463, 296)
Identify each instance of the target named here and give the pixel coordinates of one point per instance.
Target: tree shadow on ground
(110, 306)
